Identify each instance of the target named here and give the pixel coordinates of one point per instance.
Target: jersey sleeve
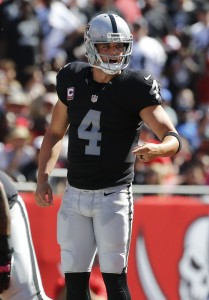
(146, 90)
(150, 91)
(62, 83)
(68, 77)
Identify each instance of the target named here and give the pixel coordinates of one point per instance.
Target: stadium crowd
(171, 40)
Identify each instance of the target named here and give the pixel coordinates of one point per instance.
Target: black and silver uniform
(104, 123)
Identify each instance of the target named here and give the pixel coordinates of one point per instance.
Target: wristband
(172, 133)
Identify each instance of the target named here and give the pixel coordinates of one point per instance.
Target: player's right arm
(49, 153)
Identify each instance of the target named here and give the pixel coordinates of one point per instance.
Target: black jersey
(104, 123)
(10, 189)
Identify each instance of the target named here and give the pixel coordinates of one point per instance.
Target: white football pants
(95, 220)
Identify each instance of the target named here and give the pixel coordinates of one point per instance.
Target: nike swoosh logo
(147, 78)
(107, 194)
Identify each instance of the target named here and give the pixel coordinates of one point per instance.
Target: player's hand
(147, 151)
(5, 263)
(43, 194)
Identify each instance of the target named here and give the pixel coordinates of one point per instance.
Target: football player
(19, 274)
(101, 106)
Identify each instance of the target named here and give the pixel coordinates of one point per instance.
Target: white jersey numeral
(89, 130)
(155, 90)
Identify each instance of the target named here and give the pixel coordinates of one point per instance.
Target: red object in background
(159, 229)
(43, 227)
(131, 10)
(96, 282)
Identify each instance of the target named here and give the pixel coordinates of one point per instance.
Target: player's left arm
(161, 125)
(5, 248)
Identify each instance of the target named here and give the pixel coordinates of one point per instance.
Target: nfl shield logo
(94, 98)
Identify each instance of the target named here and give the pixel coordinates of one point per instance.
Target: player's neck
(102, 77)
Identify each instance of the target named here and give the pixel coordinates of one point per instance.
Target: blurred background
(171, 40)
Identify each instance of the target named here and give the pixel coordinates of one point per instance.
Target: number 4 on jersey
(155, 89)
(89, 130)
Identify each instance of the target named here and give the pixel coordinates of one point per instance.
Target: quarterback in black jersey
(101, 106)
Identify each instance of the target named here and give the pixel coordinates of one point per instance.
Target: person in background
(16, 152)
(148, 52)
(19, 272)
(29, 170)
(23, 36)
(167, 98)
(188, 117)
(102, 106)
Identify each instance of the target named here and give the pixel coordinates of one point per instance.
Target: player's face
(115, 50)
